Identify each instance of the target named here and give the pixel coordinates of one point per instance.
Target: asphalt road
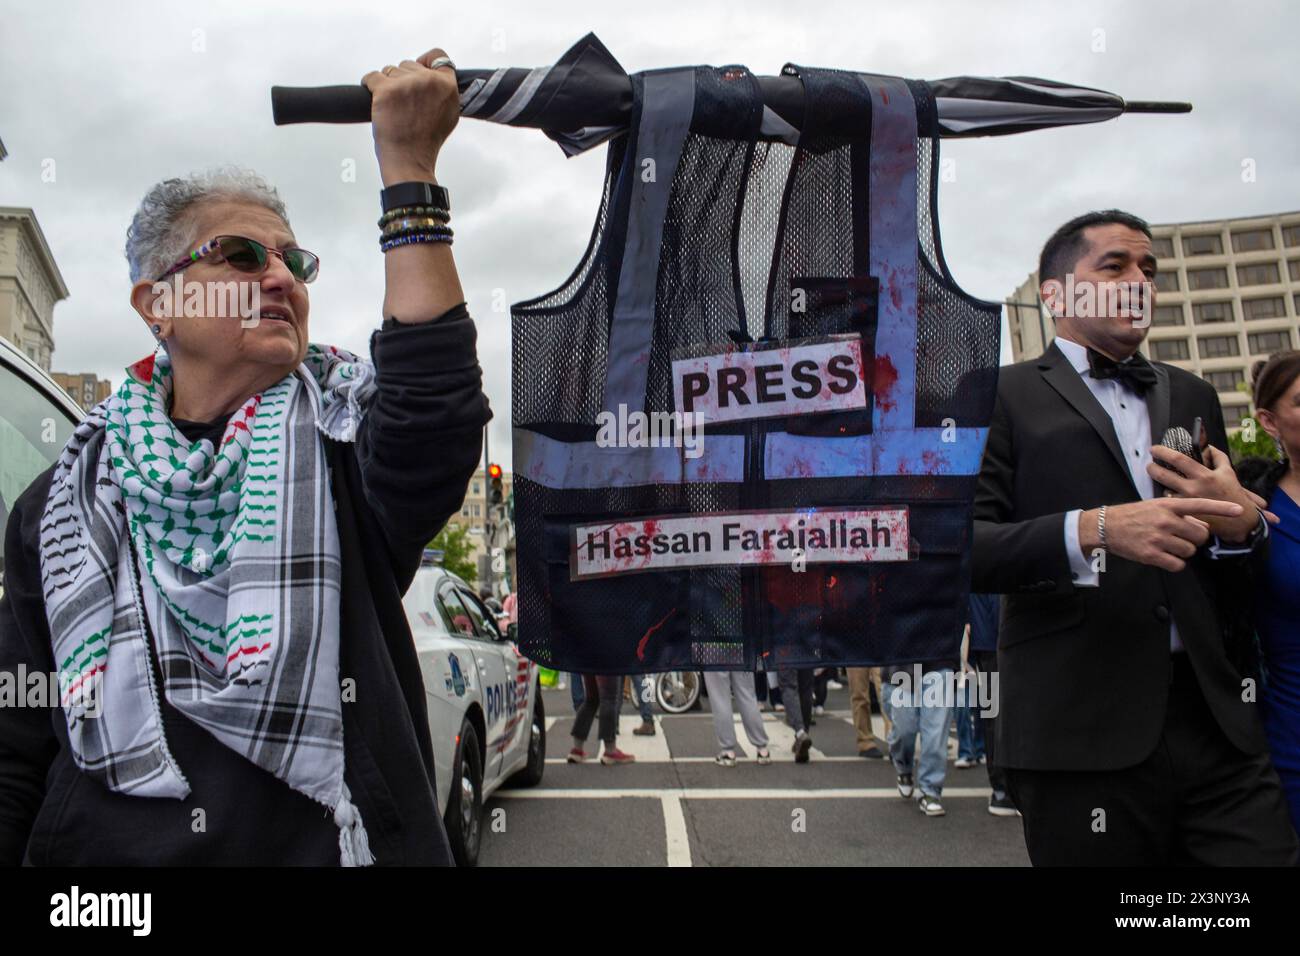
(675, 807)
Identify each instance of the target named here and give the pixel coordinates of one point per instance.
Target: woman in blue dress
(1277, 405)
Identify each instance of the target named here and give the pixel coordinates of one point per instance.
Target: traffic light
(497, 494)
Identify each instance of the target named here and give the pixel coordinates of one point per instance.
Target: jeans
(600, 694)
(910, 715)
(642, 686)
(576, 691)
(970, 728)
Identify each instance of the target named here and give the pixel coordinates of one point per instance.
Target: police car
(485, 709)
(36, 420)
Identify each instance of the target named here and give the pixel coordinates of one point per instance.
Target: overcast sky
(122, 95)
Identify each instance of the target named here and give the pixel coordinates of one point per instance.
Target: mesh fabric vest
(722, 226)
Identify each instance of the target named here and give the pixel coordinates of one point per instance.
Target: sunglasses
(250, 256)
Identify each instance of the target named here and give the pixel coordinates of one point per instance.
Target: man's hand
(1218, 481)
(413, 111)
(1162, 532)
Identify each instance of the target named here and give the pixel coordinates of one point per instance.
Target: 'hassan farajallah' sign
(722, 383)
(738, 538)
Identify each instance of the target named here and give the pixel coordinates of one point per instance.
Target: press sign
(764, 380)
(671, 542)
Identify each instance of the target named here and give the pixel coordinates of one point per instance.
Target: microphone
(1179, 439)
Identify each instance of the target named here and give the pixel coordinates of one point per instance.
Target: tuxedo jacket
(1084, 672)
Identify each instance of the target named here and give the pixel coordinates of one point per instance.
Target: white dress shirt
(1127, 411)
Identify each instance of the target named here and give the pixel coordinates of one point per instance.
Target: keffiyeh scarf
(228, 558)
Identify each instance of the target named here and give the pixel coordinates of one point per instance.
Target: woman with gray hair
(214, 566)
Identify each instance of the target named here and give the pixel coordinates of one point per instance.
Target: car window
(33, 430)
(459, 620)
(482, 619)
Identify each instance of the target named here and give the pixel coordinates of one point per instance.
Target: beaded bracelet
(406, 229)
(423, 237)
(426, 222)
(440, 236)
(404, 211)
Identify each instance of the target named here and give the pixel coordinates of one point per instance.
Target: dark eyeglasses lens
(303, 264)
(244, 254)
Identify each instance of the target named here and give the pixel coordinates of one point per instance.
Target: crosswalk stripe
(679, 843)
(728, 793)
(777, 757)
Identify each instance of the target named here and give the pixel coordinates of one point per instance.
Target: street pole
(487, 516)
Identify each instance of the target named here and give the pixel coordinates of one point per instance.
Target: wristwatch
(414, 194)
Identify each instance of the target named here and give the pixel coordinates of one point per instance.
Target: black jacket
(1084, 673)
(394, 488)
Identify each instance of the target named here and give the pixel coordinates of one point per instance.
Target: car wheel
(464, 817)
(531, 774)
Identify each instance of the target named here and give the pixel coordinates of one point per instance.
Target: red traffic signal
(497, 494)
(494, 471)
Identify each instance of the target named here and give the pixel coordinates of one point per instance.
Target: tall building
(30, 285)
(1227, 294)
(86, 388)
(474, 509)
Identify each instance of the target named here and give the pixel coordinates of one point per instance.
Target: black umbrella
(586, 97)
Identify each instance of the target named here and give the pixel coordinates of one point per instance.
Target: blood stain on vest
(640, 645)
(883, 381)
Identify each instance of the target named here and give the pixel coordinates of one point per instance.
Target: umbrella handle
(1155, 106)
(337, 104)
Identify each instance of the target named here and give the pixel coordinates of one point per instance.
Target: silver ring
(441, 61)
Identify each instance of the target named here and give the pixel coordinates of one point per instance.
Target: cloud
(120, 96)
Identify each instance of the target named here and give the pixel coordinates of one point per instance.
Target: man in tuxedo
(1127, 726)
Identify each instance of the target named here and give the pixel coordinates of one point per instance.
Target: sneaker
(834, 685)
(930, 806)
(577, 756)
(871, 753)
(819, 710)
(779, 708)
(1000, 805)
(802, 744)
(964, 763)
(725, 759)
(904, 784)
(615, 756)
(647, 729)
(764, 757)
(983, 759)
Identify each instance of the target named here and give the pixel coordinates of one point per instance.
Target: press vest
(747, 428)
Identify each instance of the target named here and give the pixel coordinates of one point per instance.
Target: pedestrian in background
(985, 610)
(723, 686)
(861, 680)
(641, 690)
(797, 695)
(1277, 572)
(911, 705)
(970, 735)
(600, 696)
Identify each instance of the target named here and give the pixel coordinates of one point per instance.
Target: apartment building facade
(1227, 294)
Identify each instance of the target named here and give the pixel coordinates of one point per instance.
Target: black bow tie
(1135, 372)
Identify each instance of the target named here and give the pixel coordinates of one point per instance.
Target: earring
(157, 329)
